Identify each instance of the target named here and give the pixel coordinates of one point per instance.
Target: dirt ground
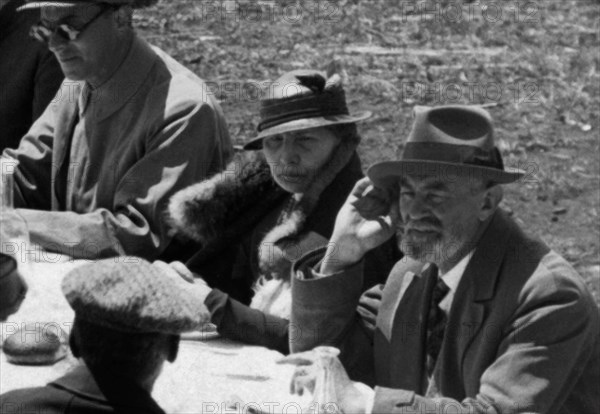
(535, 64)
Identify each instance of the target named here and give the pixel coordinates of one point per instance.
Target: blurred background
(534, 64)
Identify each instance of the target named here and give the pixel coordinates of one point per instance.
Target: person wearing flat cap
(128, 127)
(128, 318)
(277, 200)
(480, 318)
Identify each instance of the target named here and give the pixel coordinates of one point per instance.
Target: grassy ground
(535, 63)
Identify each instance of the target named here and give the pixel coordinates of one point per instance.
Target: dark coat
(234, 268)
(523, 333)
(29, 74)
(76, 393)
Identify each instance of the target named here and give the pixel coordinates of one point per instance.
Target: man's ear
(490, 201)
(173, 347)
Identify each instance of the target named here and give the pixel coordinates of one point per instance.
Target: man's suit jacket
(522, 333)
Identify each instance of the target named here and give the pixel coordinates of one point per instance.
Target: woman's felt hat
(301, 100)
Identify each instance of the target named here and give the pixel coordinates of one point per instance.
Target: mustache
(424, 224)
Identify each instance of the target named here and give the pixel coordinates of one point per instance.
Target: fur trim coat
(249, 232)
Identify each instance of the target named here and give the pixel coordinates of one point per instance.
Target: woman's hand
(367, 219)
(179, 272)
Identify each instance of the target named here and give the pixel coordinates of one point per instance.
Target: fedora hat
(33, 4)
(447, 140)
(302, 99)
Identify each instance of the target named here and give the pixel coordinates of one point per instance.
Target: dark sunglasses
(42, 33)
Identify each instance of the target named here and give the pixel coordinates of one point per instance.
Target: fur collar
(227, 204)
(230, 203)
(220, 211)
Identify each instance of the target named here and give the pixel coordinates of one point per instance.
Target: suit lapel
(400, 334)
(468, 312)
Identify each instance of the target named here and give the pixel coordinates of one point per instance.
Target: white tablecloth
(207, 376)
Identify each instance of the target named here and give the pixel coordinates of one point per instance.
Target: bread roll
(36, 344)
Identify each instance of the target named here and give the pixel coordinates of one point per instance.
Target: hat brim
(386, 173)
(304, 124)
(57, 4)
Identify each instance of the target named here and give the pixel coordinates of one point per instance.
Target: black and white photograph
(300, 207)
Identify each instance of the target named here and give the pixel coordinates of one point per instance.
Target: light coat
(94, 179)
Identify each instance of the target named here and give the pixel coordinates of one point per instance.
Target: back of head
(128, 317)
(137, 356)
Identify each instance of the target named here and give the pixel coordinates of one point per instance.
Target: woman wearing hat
(272, 205)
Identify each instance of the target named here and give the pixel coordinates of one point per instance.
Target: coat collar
(125, 82)
(79, 381)
(484, 267)
(230, 204)
(468, 310)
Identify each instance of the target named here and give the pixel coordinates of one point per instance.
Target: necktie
(436, 324)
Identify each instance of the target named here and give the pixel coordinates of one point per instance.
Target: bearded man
(479, 319)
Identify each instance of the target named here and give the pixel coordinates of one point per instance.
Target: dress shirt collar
(452, 278)
(125, 82)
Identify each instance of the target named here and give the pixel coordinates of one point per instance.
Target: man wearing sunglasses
(128, 128)
(25, 92)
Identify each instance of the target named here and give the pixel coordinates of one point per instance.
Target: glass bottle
(14, 235)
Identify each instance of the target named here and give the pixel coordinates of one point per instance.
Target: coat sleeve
(135, 225)
(550, 347)
(230, 275)
(239, 322)
(324, 312)
(34, 154)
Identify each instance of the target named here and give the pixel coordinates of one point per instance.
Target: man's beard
(423, 249)
(421, 239)
(432, 244)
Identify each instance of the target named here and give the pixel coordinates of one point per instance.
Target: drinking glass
(14, 235)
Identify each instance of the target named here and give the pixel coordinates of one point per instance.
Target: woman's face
(296, 157)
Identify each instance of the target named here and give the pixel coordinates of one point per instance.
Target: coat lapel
(67, 118)
(468, 312)
(400, 333)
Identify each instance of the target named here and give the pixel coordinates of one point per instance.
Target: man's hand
(369, 304)
(321, 373)
(366, 220)
(179, 272)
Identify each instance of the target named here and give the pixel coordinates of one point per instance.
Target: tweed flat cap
(129, 294)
